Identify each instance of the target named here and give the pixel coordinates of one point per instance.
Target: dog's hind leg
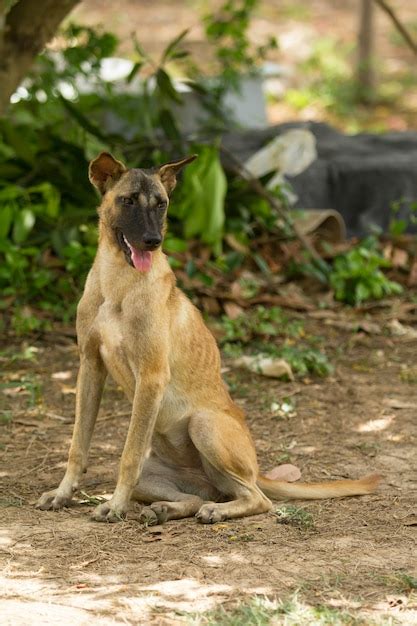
(229, 461)
(173, 493)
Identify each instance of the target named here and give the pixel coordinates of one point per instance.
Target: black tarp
(362, 176)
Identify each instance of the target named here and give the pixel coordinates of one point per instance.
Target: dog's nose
(152, 241)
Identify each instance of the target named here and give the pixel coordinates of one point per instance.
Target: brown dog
(188, 450)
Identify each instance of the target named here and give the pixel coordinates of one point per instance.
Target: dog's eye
(161, 206)
(128, 200)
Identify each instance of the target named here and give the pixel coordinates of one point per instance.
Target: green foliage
(28, 353)
(306, 360)
(294, 516)
(227, 30)
(258, 325)
(200, 207)
(398, 225)
(260, 611)
(259, 322)
(29, 384)
(61, 117)
(356, 276)
(329, 81)
(329, 85)
(406, 582)
(65, 113)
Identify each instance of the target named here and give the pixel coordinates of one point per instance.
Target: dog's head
(135, 203)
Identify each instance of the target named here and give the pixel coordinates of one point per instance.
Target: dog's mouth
(141, 260)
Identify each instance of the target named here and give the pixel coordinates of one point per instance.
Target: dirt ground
(356, 559)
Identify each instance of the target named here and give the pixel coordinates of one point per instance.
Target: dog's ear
(168, 172)
(104, 171)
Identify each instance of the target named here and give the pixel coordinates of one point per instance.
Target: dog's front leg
(90, 383)
(146, 404)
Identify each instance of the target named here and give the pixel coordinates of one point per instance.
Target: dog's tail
(279, 489)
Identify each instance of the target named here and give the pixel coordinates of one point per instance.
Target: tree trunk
(24, 32)
(365, 69)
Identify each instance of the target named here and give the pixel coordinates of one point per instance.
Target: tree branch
(398, 24)
(27, 28)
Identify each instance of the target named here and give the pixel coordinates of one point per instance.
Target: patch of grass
(331, 88)
(330, 616)
(256, 612)
(245, 537)
(260, 322)
(407, 582)
(294, 516)
(259, 325)
(370, 448)
(401, 581)
(237, 387)
(29, 385)
(27, 353)
(25, 322)
(329, 83)
(6, 417)
(11, 501)
(285, 408)
(409, 375)
(305, 361)
(260, 611)
(284, 457)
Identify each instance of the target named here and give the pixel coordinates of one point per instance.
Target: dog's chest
(114, 347)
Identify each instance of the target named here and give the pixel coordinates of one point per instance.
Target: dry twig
(398, 25)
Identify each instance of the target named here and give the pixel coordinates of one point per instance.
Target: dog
(188, 451)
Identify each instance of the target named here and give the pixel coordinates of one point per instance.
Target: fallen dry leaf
(399, 258)
(14, 391)
(158, 529)
(266, 366)
(395, 403)
(289, 473)
(65, 375)
(66, 389)
(397, 329)
(232, 310)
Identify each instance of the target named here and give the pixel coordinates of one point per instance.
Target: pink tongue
(141, 260)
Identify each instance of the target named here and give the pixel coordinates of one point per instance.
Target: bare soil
(356, 558)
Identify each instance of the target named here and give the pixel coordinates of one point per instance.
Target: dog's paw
(52, 501)
(161, 510)
(106, 512)
(210, 514)
(148, 517)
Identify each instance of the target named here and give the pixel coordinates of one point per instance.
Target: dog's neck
(118, 278)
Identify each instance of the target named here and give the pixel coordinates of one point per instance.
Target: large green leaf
(6, 214)
(204, 192)
(171, 51)
(166, 86)
(23, 224)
